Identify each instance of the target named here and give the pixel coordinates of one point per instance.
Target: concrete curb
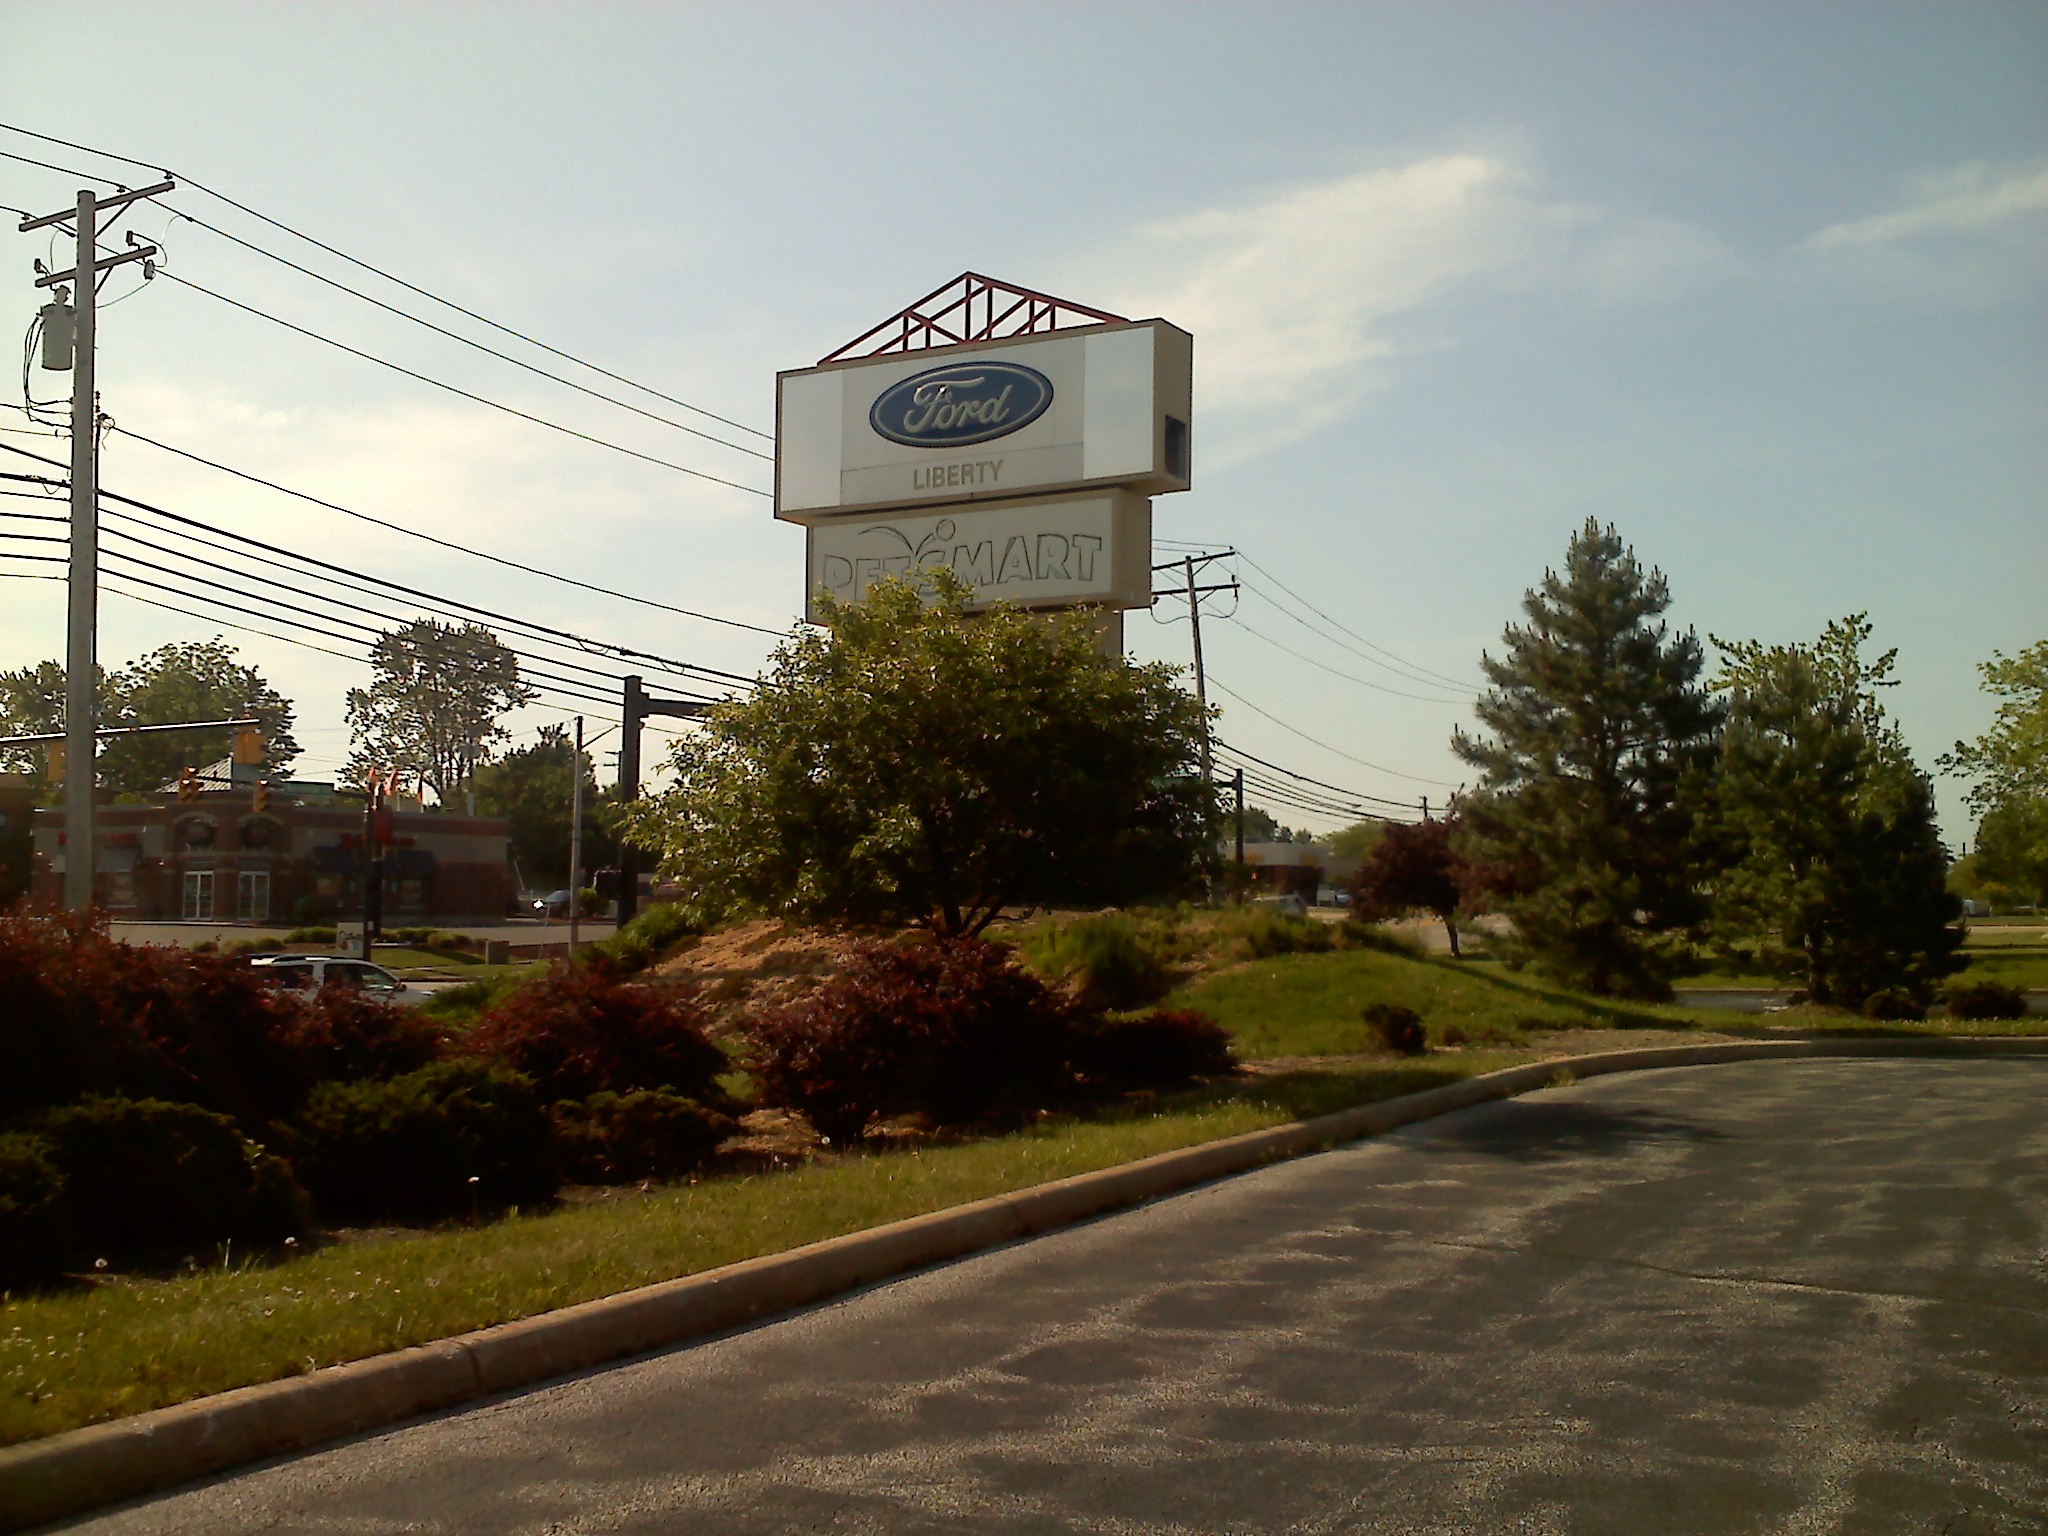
(85, 1469)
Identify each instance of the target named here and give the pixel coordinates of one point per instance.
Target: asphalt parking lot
(1792, 1297)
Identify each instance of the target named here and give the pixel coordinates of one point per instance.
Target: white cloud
(1294, 298)
(1968, 200)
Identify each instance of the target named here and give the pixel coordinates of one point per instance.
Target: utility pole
(373, 869)
(575, 837)
(81, 779)
(1238, 784)
(1201, 682)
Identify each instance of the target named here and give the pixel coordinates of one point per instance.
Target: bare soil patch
(761, 964)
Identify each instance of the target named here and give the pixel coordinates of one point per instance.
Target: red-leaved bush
(950, 1028)
(344, 1036)
(81, 1012)
(576, 1031)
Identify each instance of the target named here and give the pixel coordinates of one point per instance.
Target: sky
(1760, 285)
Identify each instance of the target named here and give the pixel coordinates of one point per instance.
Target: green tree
(32, 704)
(1835, 864)
(201, 680)
(531, 789)
(1357, 840)
(2010, 765)
(198, 680)
(912, 763)
(1599, 733)
(435, 704)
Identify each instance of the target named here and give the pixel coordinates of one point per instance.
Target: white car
(309, 973)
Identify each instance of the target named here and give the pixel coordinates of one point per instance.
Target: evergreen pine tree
(1835, 865)
(1599, 736)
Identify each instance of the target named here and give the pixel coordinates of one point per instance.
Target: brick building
(216, 858)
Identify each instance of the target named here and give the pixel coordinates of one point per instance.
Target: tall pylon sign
(1010, 437)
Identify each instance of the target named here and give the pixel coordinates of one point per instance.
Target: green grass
(1309, 1005)
(98, 1353)
(2015, 955)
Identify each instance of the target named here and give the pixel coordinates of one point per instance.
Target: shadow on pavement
(1537, 1133)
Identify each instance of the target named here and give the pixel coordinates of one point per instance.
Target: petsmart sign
(1042, 552)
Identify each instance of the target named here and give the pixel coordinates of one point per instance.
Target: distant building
(1293, 869)
(215, 858)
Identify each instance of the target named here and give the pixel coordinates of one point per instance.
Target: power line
(389, 526)
(546, 634)
(509, 410)
(595, 394)
(389, 277)
(545, 631)
(1312, 741)
(1349, 677)
(453, 389)
(61, 170)
(1338, 789)
(1329, 639)
(1354, 634)
(322, 597)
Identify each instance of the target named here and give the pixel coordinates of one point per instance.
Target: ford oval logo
(966, 403)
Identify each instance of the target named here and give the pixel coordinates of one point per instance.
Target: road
(1771, 1297)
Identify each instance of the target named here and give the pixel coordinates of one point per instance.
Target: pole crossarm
(1184, 560)
(118, 200)
(1221, 586)
(132, 730)
(140, 253)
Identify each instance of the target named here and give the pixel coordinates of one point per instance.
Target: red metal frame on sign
(948, 315)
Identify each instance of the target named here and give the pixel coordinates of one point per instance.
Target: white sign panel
(1047, 552)
(1102, 405)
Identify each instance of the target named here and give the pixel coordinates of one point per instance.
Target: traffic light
(260, 802)
(55, 762)
(248, 749)
(188, 784)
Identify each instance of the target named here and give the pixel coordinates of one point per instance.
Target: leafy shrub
(1163, 1046)
(1108, 957)
(265, 945)
(458, 943)
(34, 1235)
(1257, 933)
(81, 1013)
(950, 1028)
(1893, 1003)
(144, 1180)
(311, 936)
(465, 1000)
(1399, 1029)
(611, 1138)
(1984, 1000)
(577, 1031)
(651, 934)
(411, 938)
(450, 1139)
(343, 1034)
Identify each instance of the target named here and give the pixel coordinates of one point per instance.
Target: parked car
(309, 973)
(554, 906)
